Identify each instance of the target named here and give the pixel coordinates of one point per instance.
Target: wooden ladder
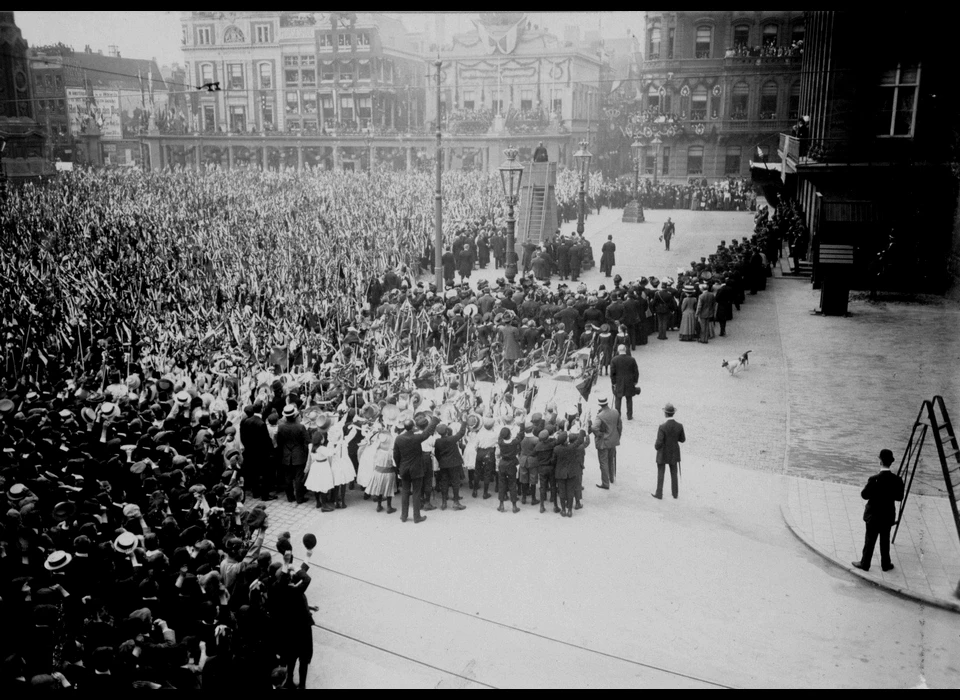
(536, 214)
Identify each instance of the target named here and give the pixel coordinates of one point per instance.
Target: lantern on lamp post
(511, 173)
(582, 159)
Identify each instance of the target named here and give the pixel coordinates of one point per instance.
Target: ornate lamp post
(656, 158)
(511, 173)
(582, 158)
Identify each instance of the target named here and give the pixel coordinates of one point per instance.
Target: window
(308, 60)
(654, 49)
(293, 102)
(309, 126)
(740, 102)
(795, 101)
(326, 71)
(671, 35)
(238, 119)
(266, 76)
(649, 163)
(291, 60)
(698, 103)
(798, 31)
(388, 71)
(732, 161)
(308, 77)
(346, 70)
(665, 161)
(308, 102)
(235, 76)
(266, 111)
(897, 100)
(363, 38)
(42, 104)
(48, 81)
(363, 70)
(291, 76)
(58, 81)
(262, 33)
(496, 103)
(526, 99)
(206, 73)
(556, 101)
(209, 121)
(325, 41)
(346, 108)
(695, 160)
(768, 100)
(364, 107)
(232, 36)
(343, 40)
(293, 126)
(653, 98)
(770, 35)
(741, 35)
(326, 103)
(203, 35)
(469, 97)
(704, 41)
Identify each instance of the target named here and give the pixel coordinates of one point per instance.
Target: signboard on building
(76, 109)
(106, 109)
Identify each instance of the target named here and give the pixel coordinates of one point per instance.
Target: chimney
(112, 51)
(87, 49)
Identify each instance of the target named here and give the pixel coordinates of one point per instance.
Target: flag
(586, 384)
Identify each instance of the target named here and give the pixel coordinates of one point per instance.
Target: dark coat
(255, 438)
(725, 298)
(624, 375)
(608, 256)
(447, 451)
(631, 311)
(291, 442)
(449, 264)
(881, 493)
(669, 436)
(408, 453)
(568, 459)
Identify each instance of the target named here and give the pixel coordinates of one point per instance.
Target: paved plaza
(739, 583)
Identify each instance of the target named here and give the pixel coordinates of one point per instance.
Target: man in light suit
(881, 493)
(607, 426)
(669, 436)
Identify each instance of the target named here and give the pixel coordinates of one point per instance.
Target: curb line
(895, 589)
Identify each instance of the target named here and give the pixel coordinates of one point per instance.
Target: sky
(156, 34)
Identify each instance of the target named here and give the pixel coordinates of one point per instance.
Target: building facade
(714, 87)
(874, 165)
(21, 138)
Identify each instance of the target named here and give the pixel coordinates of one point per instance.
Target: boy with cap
(451, 463)
(545, 462)
(507, 467)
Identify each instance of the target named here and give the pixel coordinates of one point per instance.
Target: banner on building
(76, 110)
(106, 109)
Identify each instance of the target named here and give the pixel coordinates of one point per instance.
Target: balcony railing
(698, 115)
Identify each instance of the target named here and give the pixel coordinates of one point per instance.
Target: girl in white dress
(340, 436)
(383, 483)
(320, 470)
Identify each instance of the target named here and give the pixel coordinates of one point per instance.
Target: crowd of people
(729, 194)
(181, 348)
(771, 50)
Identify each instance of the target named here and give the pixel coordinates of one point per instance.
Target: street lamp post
(636, 207)
(438, 197)
(582, 158)
(656, 158)
(511, 173)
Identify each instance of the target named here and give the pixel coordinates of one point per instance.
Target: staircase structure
(933, 420)
(537, 215)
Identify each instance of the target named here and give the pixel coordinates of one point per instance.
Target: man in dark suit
(450, 461)
(449, 263)
(257, 446)
(540, 154)
(408, 456)
(881, 493)
(669, 436)
(608, 256)
(624, 375)
(292, 446)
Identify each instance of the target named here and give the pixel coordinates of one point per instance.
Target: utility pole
(438, 198)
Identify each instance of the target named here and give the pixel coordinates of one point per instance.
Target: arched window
(768, 100)
(795, 100)
(770, 32)
(698, 103)
(653, 98)
(233, 36)
(731, 163)
(740, 102)
(741, 35)
(798, 31)
(695, 160)
(702, 48)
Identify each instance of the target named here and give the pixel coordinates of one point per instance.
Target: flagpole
(438, 197)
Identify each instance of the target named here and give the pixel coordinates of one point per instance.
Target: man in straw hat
(292, 447)
(669, 436)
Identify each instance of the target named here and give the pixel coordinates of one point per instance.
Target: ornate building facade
(714, 87)
(21, 136)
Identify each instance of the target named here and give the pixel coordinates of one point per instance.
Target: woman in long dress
(688, 319)
(320, 470)
(340, 436)
(368, 449)
(383, 482)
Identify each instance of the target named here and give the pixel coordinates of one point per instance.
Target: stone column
(336, 157)
(373, 156)
(265, 158)
(299, 158)
(198, 154)
(409, 158)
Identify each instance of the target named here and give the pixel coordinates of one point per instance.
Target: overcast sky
(156, 34)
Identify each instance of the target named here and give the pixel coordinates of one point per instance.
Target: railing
(698, 115)
(757, 124)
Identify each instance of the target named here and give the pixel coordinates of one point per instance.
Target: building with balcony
(874, 167)
(21, 138)
(713, 87)
(508, 83)
(288, 89)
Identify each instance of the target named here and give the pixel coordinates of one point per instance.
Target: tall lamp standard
(438, 196)
(639, 151)
(656, 158)
(511, 173)
(582, 158)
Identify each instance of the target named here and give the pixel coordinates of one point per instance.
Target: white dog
(739, 365)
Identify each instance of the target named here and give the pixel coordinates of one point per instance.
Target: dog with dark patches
(739, 365)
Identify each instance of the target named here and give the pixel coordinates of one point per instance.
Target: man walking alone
(669, 436)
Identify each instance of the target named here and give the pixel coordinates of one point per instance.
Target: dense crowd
(729, 194)
(180, 347)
